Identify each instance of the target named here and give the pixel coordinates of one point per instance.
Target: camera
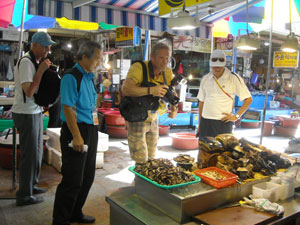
(54, 67)
(170, 95)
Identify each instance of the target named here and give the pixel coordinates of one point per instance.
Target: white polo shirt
(215, 100)
(25, 72)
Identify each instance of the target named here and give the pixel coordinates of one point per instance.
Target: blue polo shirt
(83, 101)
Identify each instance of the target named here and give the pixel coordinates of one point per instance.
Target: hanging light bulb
(190, 77)
(247, 43)
(183, 20)
(291, 43)
(107, 65)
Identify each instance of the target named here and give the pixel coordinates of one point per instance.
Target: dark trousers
(31, 145)
(212, 128)
(78, 172)
(54, 115)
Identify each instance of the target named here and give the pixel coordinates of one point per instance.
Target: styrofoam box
(53, 157)
(268, 190)
(54, 142)
(186, 106)
(274, 104)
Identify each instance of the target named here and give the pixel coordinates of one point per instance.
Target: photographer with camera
(143, 135)
(27, 116)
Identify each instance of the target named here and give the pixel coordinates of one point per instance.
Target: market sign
(201, 45)
(189, 43)
(124, 36)
(165, 6)
(285, 59)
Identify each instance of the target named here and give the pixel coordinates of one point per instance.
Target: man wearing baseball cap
(216, 97)
(27, 116)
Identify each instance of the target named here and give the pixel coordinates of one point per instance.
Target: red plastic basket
(230, 178)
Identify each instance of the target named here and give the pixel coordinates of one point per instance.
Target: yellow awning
(76, 24)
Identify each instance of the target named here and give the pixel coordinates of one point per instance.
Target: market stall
(164, 201)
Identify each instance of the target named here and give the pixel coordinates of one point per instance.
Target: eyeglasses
(216, 59)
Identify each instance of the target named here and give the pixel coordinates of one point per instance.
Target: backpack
(49, 88)
(135, 109)
(77, 74)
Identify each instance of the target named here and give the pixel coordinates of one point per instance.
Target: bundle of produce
(164, 172)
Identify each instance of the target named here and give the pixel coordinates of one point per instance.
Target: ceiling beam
(78, 3)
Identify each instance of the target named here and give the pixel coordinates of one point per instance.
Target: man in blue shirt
(79, 128)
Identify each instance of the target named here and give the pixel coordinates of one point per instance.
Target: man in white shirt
(27, 116)
(216, 97)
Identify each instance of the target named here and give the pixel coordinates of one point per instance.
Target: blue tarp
(37, 22)
(30, 21)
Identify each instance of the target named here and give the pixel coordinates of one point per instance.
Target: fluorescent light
(290, 44)
(42, 30)
(245, 43)
(183, 21)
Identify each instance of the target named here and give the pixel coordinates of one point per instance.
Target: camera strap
(222, 88)
(165, 79)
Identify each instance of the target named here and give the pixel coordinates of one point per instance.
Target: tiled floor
(114, 175)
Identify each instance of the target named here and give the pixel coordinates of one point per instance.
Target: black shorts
(212, 128)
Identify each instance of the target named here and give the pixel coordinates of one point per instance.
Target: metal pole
(268, 76)
(22, 29)
(14, 183)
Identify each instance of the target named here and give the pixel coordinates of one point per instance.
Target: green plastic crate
(5, 124)
(197, 179)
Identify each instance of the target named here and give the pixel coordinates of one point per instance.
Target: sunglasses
(216, 59)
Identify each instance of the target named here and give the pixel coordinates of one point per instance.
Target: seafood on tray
(213, 174)
(164, 172)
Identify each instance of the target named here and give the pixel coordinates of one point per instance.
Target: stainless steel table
(145, 203)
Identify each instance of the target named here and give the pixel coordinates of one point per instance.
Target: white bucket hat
(217, 58)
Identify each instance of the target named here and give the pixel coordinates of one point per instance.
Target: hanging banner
(285, 59)
(188, 43)
(224, 43)
(165, 6)
(201, 45)
(182, 43)
(124, 36)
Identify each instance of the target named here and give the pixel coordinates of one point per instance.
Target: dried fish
(164, 172)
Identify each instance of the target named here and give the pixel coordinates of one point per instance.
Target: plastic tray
(228, 181)
(197, 180)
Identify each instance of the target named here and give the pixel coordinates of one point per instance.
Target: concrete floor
(114, 175)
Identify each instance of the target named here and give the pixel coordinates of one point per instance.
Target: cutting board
(236, 216)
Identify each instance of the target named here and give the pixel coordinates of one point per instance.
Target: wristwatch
(237, 116)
